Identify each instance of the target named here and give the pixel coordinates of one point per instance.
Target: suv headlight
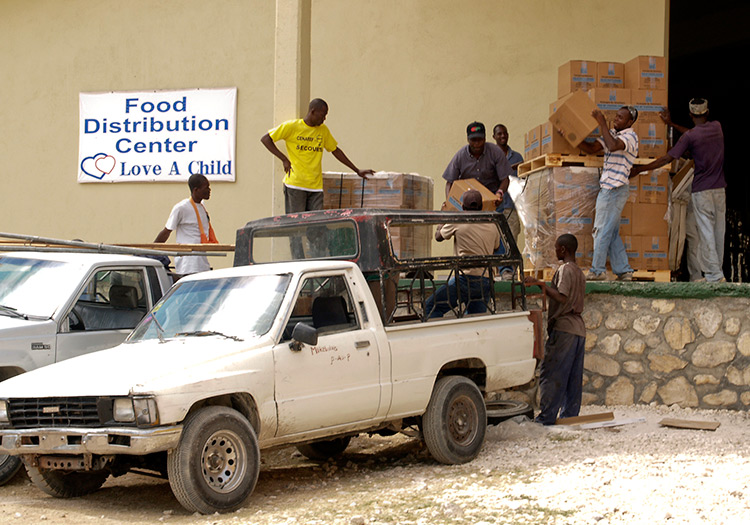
(4, 411)
(141, 410)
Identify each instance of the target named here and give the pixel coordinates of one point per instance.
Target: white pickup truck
(248, 358)
(54, 306)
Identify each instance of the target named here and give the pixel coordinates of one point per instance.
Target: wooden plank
(689, 424)
(590, 418)
(659, 276)
(208, 247)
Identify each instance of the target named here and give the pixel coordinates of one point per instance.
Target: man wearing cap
(620, 146)
(479, 160)
(473, 284)
(705, 141)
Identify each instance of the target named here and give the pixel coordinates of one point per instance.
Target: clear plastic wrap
(553, 201)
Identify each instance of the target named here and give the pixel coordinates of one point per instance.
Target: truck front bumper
(74, 441)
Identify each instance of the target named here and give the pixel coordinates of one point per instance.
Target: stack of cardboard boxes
(563, 200)
(406, 191)
(641, 82)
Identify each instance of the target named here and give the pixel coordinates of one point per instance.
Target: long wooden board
(590, 418)
(689, 424)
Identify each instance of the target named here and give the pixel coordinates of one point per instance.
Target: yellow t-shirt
(304, 147)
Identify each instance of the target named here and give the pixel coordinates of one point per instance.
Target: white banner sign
(157, 135)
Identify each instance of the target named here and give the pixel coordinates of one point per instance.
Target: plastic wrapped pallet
(408, 191)
(556, 201)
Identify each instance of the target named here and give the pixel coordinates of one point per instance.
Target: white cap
(698, 106)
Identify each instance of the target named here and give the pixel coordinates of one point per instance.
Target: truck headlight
(146, 413)
(123, 411)
(4, 411)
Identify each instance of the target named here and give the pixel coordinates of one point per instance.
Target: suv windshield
(34, 287)
(233, 307)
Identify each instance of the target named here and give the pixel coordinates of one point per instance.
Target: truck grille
(54, 412)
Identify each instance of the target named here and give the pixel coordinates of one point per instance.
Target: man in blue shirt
(500, 134)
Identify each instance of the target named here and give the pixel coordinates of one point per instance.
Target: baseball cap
(471, 200)
(698, 106)
(475, 130)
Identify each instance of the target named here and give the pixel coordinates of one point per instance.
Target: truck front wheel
(67, 484)
(216, 464)
(455, 422)
(9, 465)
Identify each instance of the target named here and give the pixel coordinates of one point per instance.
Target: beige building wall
(402, 78)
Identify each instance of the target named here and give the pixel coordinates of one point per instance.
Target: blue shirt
(513, 158)
(490, 168)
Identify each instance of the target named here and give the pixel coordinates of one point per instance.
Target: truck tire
(503, 409)
(324, 450)
(455, 422)
(9, 465)
(216, 464)
(67, 484)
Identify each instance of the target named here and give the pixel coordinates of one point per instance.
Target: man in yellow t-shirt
(305, 140)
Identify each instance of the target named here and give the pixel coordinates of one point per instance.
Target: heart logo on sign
(98, 165)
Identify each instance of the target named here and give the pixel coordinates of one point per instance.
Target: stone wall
(686, 344)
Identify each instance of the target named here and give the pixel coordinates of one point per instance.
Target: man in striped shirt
(620, 146)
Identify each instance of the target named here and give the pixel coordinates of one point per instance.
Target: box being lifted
(573, 117)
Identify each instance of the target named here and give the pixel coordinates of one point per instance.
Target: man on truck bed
(474, 285)
(305, 140)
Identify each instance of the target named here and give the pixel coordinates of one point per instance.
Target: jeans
(474, 290)
(561, 377)
(693, 245)
(607, 241)
(710, 209)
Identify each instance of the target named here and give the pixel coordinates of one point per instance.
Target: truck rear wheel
(455, 422)
(9, 465)
(67, 484)
(323, 450)
(216, 464)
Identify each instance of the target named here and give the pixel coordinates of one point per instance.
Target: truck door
(336, 381)
(111, 303)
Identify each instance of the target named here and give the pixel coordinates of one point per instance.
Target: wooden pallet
(659, 276)
(556, 160)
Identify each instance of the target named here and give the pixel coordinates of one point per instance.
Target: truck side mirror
(303, 333)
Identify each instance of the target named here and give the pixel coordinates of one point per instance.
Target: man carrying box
(705, 141)
(621, 148)
(479, 160)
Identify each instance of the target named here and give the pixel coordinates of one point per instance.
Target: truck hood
(139, 367)
(10, 325)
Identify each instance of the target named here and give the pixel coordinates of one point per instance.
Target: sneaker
(591, 276)
(627, 276)
(506, 275)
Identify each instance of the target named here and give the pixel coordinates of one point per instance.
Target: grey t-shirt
(566, 317)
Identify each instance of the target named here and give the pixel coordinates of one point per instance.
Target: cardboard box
(459, 187)
(532, 143)
(649, 102)
(649, 220)
(571, 183)
(575, 75)
(573, 118)
(610, 75)
(337, 189)
(557, 103)
(634, 186)
(652, 139)
(626, 220)
(653, 186)
(609, 101)
(654, 253)
(646, 72)
(632, 250)
(553, 142)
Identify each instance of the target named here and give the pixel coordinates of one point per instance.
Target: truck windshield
(232, 307)
(34, 287)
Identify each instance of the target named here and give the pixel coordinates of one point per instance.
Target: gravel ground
(635, 473)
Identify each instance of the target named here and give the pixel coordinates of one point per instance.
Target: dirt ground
(640, 472)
